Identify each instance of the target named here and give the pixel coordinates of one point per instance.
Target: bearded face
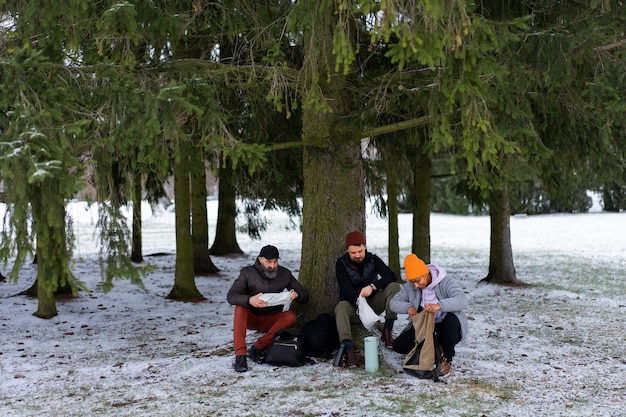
(270, 267)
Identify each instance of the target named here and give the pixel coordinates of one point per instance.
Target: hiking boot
(444, 367)
(256, 354)
(387, 339)
(351, 359)
(241, 363)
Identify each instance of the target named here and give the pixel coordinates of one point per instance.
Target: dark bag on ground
(287, 349)
(426, 353)
(411, 364)
(320, 336)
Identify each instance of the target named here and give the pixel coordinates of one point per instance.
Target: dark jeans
(448, 335)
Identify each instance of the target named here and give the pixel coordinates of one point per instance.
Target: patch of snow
(554, 348)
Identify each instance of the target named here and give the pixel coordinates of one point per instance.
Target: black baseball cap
(269, 252)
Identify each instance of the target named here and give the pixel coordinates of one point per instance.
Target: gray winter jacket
(450, 297)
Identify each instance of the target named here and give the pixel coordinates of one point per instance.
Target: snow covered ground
(554, 348)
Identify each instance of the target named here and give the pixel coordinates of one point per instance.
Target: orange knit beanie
(414, 267)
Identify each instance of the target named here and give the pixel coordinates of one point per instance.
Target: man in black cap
(260, 304)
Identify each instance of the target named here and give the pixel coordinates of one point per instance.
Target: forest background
(310, 107)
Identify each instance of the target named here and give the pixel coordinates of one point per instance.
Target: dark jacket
(352, 277)
(252, 281)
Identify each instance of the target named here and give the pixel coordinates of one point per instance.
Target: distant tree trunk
(137, 244)
(501, 269)
(184, 280)
(53, 264)
(421, 195)
(393, 250)
(202, 263)
(613, 196)
(226, 231)
(334, 196)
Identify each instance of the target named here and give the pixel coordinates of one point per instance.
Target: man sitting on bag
(261, 303)
(360, 272)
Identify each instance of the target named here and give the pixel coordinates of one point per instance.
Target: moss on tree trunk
(334, 190)
(53, 271)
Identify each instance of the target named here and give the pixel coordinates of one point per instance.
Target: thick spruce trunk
(225, 241)
(202, 263)
(501, 268)
(184, 280)
(333, 205)
(334, 195)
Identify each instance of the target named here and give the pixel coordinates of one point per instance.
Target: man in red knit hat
(362, 273)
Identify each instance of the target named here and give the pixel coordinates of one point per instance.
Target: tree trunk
(334, 196)
(202, 263)
(501, 269)
(393, 250)
(421, 194)
(226, 231)
(333, 205)
(184, 280)
(53, 263)
(136, 254)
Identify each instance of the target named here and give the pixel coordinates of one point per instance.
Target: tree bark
(334, 190)
(53, 263)
(136, 254)
(501, 268)
(202, 263)
(393, 250)
(225, 241)
(421, 195)
(184, 280)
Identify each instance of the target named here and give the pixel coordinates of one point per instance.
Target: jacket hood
(437, 273)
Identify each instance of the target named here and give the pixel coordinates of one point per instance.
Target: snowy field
(554, 348)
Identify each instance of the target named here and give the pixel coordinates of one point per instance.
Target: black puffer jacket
(351, 277)
(252, 281)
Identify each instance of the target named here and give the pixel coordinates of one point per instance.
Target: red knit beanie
(355, 238)
(414, 267)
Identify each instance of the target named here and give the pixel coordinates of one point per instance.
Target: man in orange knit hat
(361, 273)
(429, 288)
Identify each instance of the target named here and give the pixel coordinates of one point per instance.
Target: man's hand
(367, 291)
(293, 295)
(256, 302)
(411, 311)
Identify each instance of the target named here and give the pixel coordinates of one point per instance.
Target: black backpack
(320, 336)
(287, 349)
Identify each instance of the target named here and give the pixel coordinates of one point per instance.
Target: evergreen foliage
(522, 100)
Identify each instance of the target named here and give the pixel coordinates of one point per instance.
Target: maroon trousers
(270, 324)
